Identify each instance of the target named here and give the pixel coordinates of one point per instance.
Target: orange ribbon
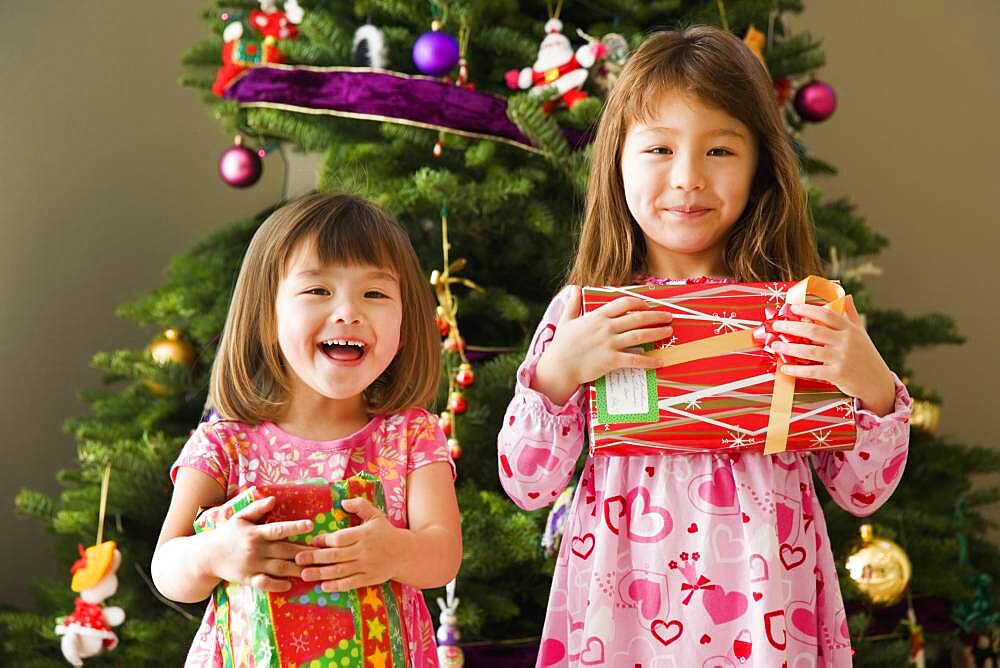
(784, 385)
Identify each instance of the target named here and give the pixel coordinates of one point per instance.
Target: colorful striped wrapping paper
(306, 626)
(718, 403)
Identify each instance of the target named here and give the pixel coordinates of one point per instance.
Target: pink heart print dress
(691, 561)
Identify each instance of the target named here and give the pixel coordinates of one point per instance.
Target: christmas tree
(444, 128)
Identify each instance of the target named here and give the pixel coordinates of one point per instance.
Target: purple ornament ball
(239, 166)
(815, 102)
(435, 53)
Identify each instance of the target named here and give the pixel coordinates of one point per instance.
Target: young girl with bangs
(693, 180)
(328, 355)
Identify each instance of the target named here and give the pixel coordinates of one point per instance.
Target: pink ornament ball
(240, 167)
(435, 53)
(815, 102)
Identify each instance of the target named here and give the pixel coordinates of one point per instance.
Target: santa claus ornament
(86, 632)
(558, 67)
(241, 52)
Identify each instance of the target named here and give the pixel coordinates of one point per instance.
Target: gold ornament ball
(172, 348)
(925, 415)
(880, 568)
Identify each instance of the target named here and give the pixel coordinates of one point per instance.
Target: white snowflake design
(737, 440)
(820, 438)
(694, 403)
(847, 408)
(668, 344)
(299, 642)
(775, 293)
(727, 323)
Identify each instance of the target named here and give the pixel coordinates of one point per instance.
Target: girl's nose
(347, 312)
(687, 174)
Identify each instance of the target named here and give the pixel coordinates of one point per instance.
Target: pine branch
(204, 53)
(326, 33)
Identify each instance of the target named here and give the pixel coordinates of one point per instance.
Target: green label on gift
(627, 395)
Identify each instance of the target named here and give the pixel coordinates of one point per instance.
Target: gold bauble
(925, 415)
(880, 568)
(171, 349)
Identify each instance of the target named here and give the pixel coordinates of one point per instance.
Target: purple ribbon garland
(387, 96)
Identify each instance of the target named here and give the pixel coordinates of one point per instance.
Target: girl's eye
(660, 150)
(317, 291)
(376, 294)
(720, 152)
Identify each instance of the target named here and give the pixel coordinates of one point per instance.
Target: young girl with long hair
(702, 560)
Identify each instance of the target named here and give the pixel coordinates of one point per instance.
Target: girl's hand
(586, 347)
(258, 554)
(355, 557)
(848, 358)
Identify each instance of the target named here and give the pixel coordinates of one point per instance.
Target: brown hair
(773, 238)
(250, 379)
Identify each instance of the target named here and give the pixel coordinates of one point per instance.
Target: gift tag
(627, 395)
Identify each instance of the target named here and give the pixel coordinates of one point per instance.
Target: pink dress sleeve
(206, 451)
(862, 479)
(426, 442)
(539, 442)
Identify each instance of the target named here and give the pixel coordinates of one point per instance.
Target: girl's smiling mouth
(344, 350)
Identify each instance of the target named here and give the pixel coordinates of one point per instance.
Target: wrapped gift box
(720, 391)
(306, 624)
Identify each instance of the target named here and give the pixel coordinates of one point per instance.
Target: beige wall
(108, 171)
(917, 142)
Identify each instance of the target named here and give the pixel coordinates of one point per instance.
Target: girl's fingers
(637, 361)
(266, 583)
(640, 320)
(282, 530)
(622, 305)
(345, 584)
(822, 315)
(814, 371)
(817, 333)
(256, 510)
(804, 351)
(362, 507)
(637, 337)
(574, 304)
(286, 550)
(281, 568)
(333, 555)
(851, 311)
(342, 538)
(332, 572)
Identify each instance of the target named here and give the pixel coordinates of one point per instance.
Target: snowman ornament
(558, 67)
(86, 632)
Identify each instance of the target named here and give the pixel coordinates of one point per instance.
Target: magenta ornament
(435, 53)
(815, 102)
(240, 167)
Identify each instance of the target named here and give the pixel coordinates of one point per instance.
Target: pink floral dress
(238, 455)
(691, 561)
